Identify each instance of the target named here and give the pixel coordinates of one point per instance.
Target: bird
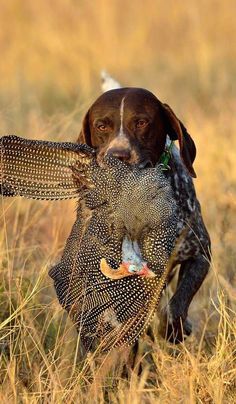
(115, 262)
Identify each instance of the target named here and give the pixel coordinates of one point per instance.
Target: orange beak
(124, 270)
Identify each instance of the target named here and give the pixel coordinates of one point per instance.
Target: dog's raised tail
(107, 82)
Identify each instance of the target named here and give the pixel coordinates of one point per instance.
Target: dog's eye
(141, 123)
(102, 127)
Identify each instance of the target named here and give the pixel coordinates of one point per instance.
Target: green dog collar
(166, 156)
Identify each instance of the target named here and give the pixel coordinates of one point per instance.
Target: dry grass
(51, 55)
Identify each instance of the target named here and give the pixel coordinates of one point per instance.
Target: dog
(132, 125)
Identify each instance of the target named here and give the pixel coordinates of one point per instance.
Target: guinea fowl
(115, 263)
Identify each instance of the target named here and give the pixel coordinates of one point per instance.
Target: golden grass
(51, 55)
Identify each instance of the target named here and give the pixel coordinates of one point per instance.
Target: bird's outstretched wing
(42, 169)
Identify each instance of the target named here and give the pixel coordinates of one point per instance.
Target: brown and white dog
(134, 126)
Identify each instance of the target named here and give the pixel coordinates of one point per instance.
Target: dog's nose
(121, 154)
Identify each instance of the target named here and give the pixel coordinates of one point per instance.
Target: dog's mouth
(145, 164)
(133, 160)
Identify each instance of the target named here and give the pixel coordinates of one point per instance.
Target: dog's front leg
(174, 324)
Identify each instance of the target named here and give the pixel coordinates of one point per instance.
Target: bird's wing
(41, 169)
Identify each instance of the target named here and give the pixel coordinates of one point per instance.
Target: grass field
(51, 56)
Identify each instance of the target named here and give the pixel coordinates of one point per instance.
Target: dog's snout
(121, 154)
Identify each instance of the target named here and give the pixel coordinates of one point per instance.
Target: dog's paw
(175, 331)
(178, 331)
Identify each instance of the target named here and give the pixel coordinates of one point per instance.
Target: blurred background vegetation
(52, 51)
(51, 54)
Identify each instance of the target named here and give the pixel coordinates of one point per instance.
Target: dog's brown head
(132, 124)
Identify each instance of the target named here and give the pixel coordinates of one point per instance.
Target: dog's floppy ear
(85, 134)
(43, 170)
(177, 131)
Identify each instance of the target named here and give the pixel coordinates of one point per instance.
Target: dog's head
(132, 124)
